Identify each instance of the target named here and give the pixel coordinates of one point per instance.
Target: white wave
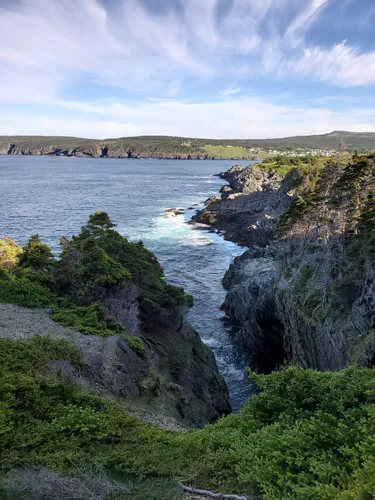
(212, 343)
(232, 372)
(172, 231)
(204, 241)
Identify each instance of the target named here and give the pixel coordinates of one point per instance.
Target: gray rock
(174, 211)
(113, 368)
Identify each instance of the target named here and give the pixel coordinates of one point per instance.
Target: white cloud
(341, 65)
(241, 118)
(230, 91)
(47, 44)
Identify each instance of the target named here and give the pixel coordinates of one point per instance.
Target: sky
(194, 68)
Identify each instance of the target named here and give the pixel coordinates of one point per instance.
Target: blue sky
(202, 68)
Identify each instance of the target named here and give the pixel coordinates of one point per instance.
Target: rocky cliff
(133, 147)
(107, 297)
(304, 291)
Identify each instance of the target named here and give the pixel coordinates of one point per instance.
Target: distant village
(298, 151)
(289, 152)
(293, 152)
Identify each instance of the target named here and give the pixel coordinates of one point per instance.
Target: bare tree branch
(210, 494)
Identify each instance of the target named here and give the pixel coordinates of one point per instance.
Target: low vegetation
(76, 285)
(305, 434)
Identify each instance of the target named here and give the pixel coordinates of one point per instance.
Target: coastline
(247, 213)
(274, 301)
(120, 156)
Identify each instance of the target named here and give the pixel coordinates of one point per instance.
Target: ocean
(54, 196)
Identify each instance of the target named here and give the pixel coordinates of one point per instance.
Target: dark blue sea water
(54, 196)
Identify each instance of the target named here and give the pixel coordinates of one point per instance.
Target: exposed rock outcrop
(134, 339)
(112, 368)
(112, 148)
(299, 297)
(249, 207)
(182, 373)
(173, 212)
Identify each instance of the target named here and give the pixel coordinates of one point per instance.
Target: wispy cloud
(340, 65)
(48, 47)
(304, 19)
(230, 91)
(129, 46)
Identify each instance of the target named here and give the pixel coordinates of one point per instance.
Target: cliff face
(249, 206)
(304, 291)
(98, 151)
(115, 148)
(127, 322)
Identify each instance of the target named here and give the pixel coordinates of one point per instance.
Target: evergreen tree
(36, 254)
(99, 223)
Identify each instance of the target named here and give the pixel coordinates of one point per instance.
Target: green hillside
(180, 147)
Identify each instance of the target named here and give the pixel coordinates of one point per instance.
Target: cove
(54, 196)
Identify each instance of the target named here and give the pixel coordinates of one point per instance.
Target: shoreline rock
(249, 206)
(101, 151)
(173, 212)
(276, 286)
(247, 213)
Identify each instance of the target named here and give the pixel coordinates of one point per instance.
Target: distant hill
(182, 147)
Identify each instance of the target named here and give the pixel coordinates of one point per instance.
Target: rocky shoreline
(249, 206)
(268, 306)
(247, 213)
(104, 152)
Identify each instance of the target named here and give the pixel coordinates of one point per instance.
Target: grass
(89, 320)
(227, 152)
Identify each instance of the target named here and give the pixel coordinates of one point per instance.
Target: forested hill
(185, 148)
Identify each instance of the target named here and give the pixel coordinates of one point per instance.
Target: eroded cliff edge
(107, 297)
(304, 291)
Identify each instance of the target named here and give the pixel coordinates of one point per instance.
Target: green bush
(90, 320)
(144, 268)
(305, 435)
(101, 257)
(297, 208)
(26, 293)
(9, 255)
(93, 320)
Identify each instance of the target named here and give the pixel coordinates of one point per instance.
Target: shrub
(295, 212)
(306, 434)
(26, 293)
(9, 254)
(35, 254)
(93, 320)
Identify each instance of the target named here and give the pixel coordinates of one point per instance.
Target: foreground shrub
(305, 435)
(25, 293)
